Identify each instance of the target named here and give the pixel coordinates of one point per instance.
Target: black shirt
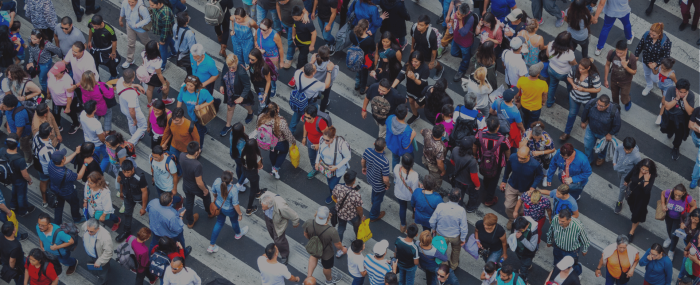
(491, 241)
(426, 49)
(367, 44)
(191, 169)
(92, 167)
(268, 5)
(395, 99)
(17, 162)
(102, 38)
(695, 117)
(422, 74)
(324, 10)
(132, 186)
(679, 109)
(12, 249)
(303, 32)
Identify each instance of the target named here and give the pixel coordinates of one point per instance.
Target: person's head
(622, 242)
(58, 157)
(322, 215)
(328, 135)
(485, 54)
(237, 134)
(127, 167)
(178, 116)
(455, 195)
(310, 280)
(97, 22)
(36, 257)
(92, 226)
(12, 140)
(542, 56)
(16, 25)
(586, 66)
(132, 3)
(426, 239)
(446, 113)
(535, 70)
(657, 251)
(114, 140)
(490, 221)
(8, 230)
(492, 124)
(240, 14)
(438, 131)
(682, 87)
(537, 130)
(523, 154)
(564, 218)
(679, 193)
(349, 177)
(197, 51)
(226, 179)
(379, 145)
(401, 111)
(647, 166)
(96, 181)
(380, 248)
(578, 11)
(490, 267)
(357, 246)
(267, 201)
(165, 198)
(429, 182)
(686, 280)
(157, 153)
(323, 55)
(297, 13)
(561, 44)
(266, 25)
(506, 273)
(384, 86)
(489, 20)
(443, 272)
(463, 11)
(183, 18)
(621, 49)
(407, 162)
(271, 251)
(480, 75)
(193, 84)
(193, 148)
(667, 64)
(391, 279)
(88, 80)
(532, 25)
(45, 130)
(562, 191)
(361, 28)
(144, 234)
(78, 49)
(157, 4)
(38, 38)
(128, 76)
(309, 70)
(470, 100)
(167, 245)
(158, 108)
(414, 60)
(603, 103)
(566, 150)
(656, 31)
(16, 73)
(412, 231)
(521, 224)
(152, 50)
(44, 222)
(629, 143)
(178, 264)
(66, 25)
(87, 149)
(423, 23)
(516, 44)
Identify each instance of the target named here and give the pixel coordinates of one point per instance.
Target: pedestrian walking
(533, 95)
(305, 81)
(434, 152)
(158, 119)
(377, 265)
(625, 159)
(569, 238)
(409, 184)
(621, 64)
(277, 216)
(400, 136)
(99, 248)
(130, 106)
(450, 221)
(388, 58)
(614, 10)
(12, 253)
(534, 206)
(659, 267)
(407, 256)
(226, 201)
(62, 92)
(505, 275)
(416, 73)
(326, 235)
(367, 10)
(272, 271)
(61, 182)
(679, 107)
(142, 256)
(194, 96)
(513, 62)
(667, 80)
(41, 50)
(192, 182)
(561, 59)
(102, 45)
(385, 101)
(619, 260)
(204, 68)
(42, 147)
(17, 164)
(52, 241)
(424, 201)
(528, 240)
(541, 146)
(235, 86)
(91, 89)
(98, 200)
(535, 42)
(179, 274)
(564, 272)
(653, 47)
(491, 146)
(466, 176)
(42, 15)
(313, 131)
(321, 61)
(137, 16)
(575, 169)
(486, 57)
(428, 257)
(164, 220)
(86, 156)
(602, 122)
(285, 12)
(272, 120)
(348, 204)
(376, 167)
(184, 39)
(163, 19)
(491, 236)
(152, 61)
(675, 202)
(66, 35)
(356, 262)
(522, 174)
(252, 163)
(333, 158)
(304, 34)
(435, 98)
(134, 189)
(38, 269)
(579, 19)
(163, 171)
(464, 24)
(80, 62)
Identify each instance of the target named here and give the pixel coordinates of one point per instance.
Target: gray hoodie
(397, 127)
(623, 161)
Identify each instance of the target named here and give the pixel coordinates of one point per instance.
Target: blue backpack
(560, 204)
(355, 58)
(663, 38)
(298, 99)
(159, 262)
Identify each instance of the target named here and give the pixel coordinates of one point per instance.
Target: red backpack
(490, 159)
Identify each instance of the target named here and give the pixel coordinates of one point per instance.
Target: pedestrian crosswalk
(236, 260)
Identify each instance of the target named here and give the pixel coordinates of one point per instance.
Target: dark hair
(412, 231)
(429, 182)
(127, 165)
(45, 130)
(435, 98)
(90, 106)
(629, 143)
(385, 83)
(565, 214)
(44, 216)
(455, 195)
(520, 223)
(492, 124)
(309, 69)
(267, 22)
(693, 214)
(5, 43)
(161, 120)
(414, 55)
(8, 229)
(79, 45)
(166, 198)
(360, 28)
(587, 63)
(407, 163)
(356, 245)
(578, 11)
(42, 37)
(485, 54)
(349, 176)
(178, 113)
(566, 149)
(491, 19)
(240, 12)
(157, 149)
(394, 64)
(311, 110)
(270, 251)
(683, 84)
(38, 254)
(465, 148)
(650, 164)
(391, 279)
(165, 3)
(251, 153)
(323, 55)
(12, 144)
(129, 75)
(438, 131)
(96, 20)
(297, 11)
(446, 110)
(667, 63)
(379, 144)
(87, 149)
(42, 109)
(561, 44)
(115, 139)
(491, 267)
(444, 267)
(182, 19)
(621, 45)
(423, 19)
(167, 245)
(65, 21)
(226, 179)
(542, 56)
(658, 248)
(192, 147)
(152, 51)
(10, 100)
(507, 269)
(260, 68)
(237, 134)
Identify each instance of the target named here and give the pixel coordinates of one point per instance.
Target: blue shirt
(205, 70)
(2, 199)
(377, 167)
(425, 205)
(376, 269)
(231, 199)
(511, 113)
(189, 99)
(450, 220)
(137, 17)
(522, 176)
(657, 271)
(562, 204)
(21, 120)
(501, 8)
(7, 8)
(21, 40)
(544, 73)
(56, 177)
(61, 238)
(164, 220)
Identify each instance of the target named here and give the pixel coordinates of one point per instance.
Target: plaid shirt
(163, 21)
(42, 14)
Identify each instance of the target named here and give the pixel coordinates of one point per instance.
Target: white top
(490, 279)
(103, 200)
(44, 153)
(129, 99)
(515, 67)
(59, 89)
(272, 274)
(356, 264)
(482, 93)
(79, 66)
(91, 128)
(400, 190)
(560, 64)
(313, 90)
(151, 65)
(186, 276)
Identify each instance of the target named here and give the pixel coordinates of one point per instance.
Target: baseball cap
(515, 15)
(516, 43)
(322, 215)
(380, 247)
(58, 67)
(509, 94)
(535, 69)
(58, 155)
(565, 263)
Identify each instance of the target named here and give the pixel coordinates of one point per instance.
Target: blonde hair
(535, 197)
(231, 60)
(426, 239)
(657, 28)
(480, 74)
(88, 81)
(532, 25)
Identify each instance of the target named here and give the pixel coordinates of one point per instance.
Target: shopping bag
(471, 247)
(364, 233)
(441, 245)
(14, 221)
(660, 213)
(294, 155)
(497, 94)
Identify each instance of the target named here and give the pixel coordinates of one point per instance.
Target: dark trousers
(72, 200)
(129, 205)
(145, 274)
(584, 46)
(102, 57)
(303, 58)
(101, 274)
(559, 254)
(525, 263)
(530, 116)
(489, 186)
(254, 179)
(189, 204)
(223, 31)
(470, 190)
(324, 102)
(89, 6)
(671, 226)
(344, 13)
(201, 130)
(19, 198)
(57, 110)
(279, 154)
(280, 240)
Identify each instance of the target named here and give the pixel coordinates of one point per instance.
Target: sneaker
(597, 51)
(628, 106)
(541, 21)
(44, 204)
(249, 118)
(122, 209)
(30, 209)
(682, 26)
(195, 217)
(262, 192)
(667, 242)
(458, 76)
(438, 73)
(244, 230)
(671, 254)
(188, 250)
(338, 253)
(23, 236)
(559, 23)
(71, 269)
(471, 210)
(251, 211)
(126, 64)
(225, 131)
(213, 249)
(115, 227)
(618, 207)
(381, 215)
(73, 129)
(693, 184)
(544, 182)
(122, 237)
(332, 48)
(168, 101)
(658, 120)
(246, 181)
(629, 42)
(311, 174)
(152, 282)
(240, 187)
(334, 279)
(442, 50)
(329, 200)
(492, 202)
(646, 90)
(630, 237)
(675, 153)
(275, 173)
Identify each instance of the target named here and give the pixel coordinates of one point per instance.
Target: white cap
(380, 247)
(516, 43)
(322, 215)
(565, 263)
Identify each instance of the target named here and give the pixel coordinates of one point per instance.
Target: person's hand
(162, 43)
(549, 245)
(583, 125)
(197, 107)
(312, 16)
(84, 205)
(121, 196)
(102, 218)
(97, 265)
(311, 48)
(630, 273)
(240, 217)
(518, 234)
(179, 245)
(503, 186)
(515, 215)
(59, 138)
(142, 212)
(608, 137)
(165, 89)
(303, 141)
(135, 123)
(665, 208)
(509, 33)
(77, 149)
(597, 273)
(384, 15)
(364, 170)
(682, 226)
(314, 146)
(411, 75)
(432, 64)
(652, 65)
(330, 66)
(305, 19)
(112, 56)
(29, 182)
(568, 180)
(121, 21)
(584, 253)
(88, 46)
(605, 83)
(549, 184)
(686, 253)
(221, 90)
(624, 61)
(594, 20)
(649, 257)
(504, 256)
(317, 167)
(364, 114)
(462, 243)
(327, 27)
(55, 247)
(67, 110)
(30, 65)
(239, 100)
(478, 244)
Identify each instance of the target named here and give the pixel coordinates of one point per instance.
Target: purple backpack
(490, 158)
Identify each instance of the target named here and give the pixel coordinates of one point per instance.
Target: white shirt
(91, 128)
(313, 90)
(44, 153)
(127, 100)
(163, 178)
(186, 276)
(515, 67)
(356, 264)
(89, 242)
(400, 190)
(482, 93)
(59, 89)
(85, 63)
(272, 274)
(560, 64)
(151, 65)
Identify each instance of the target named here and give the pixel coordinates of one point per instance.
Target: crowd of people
(485, 141)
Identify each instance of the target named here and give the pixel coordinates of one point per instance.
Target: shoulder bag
(623, 274)
(334, 210)
(206, 114)
(213, 208)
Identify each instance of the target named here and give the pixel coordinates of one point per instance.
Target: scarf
(568, 163)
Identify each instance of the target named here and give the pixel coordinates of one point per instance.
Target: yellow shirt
(532, 92)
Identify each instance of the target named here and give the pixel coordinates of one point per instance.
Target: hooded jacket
(370, 12)
(624, 162)
(398, 136)
(398, 15)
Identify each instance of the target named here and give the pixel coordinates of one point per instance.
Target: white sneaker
(658, 120)
(246, 181)
(646, 90)
(122, 209)
(126, 64)
(671, 254)
(544, 182)
(598, 51)
(244, 231)
(213, 249)
(276, 173)
(667, 243)
(629, 42)
(240, 187)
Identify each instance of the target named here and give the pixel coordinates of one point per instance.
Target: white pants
(137, 131)
(650, 77)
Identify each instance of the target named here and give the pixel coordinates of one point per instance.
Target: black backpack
(6, 173)
(30, 113)
(463, 128)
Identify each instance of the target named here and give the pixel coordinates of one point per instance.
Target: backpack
(6, 173)
(189, 130)
(427, 34)
(30, 112)
(159, 261)
(663, 38)
(124, 254)
(505, 125)
(213, 13)
(380, 107)
(130, 149)
(298, 100)
(168, 159)
(315, 246)
(490, 159)
(559, 205)
(355, 58)
(273, 69)
(463, 128)
(70, 229)
(326, 117)
(51, 259)
(266, 137)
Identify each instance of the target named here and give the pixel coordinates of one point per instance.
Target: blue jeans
(530, 116)
(589, 143)
(554, 79)
(343, 224)
(355, 280)
(403, 205)
(407, 275)
(361, 79)
(525, 263)
(107, 125)
(559, 254)
(290, 44)
(279, 154)
(221, 221)
(262, 13)
(377, 198)
(494, 256)
(66, 260)
(19, 197)
(395, 159)
(43, 73)
(332, 182)
(167, 50)
(180, 237)
(609, 280)
(239, 170)
(327, 36)
(202, 130)
(312, 153)
(607, 26)
(101, 152)
(445, 7)
(696, 167)
(177, 6)
(573, 113)
(464, 52)
(575, 189)
(296, 117)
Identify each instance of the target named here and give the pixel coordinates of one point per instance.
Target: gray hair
(622, 239)
(536, 130)
(470, 100)
(464, 9)
(197, 49)
(92, 224)
(267, 199)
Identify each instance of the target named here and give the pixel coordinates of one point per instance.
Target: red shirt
(180, 253)
(312, 133)
(43, 279)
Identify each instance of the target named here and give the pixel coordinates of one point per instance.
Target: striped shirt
(570, 238)
(376, 269)
(49, 50)
(377, 167)
(43, 151)
(592, 81)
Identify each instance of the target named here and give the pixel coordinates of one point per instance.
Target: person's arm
(201, 185)
(280, 48)
(506, 173)
(330, 67)
(539, 175)
(334, 12)
(81, 172)
(504, 244)
(517, 207)
(313, 43)
(166, 84)
(486, 5)
(365, 102)
(441, 167)
(583, 239)
(63, 245)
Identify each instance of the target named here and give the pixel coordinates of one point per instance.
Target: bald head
(310, 281)
(523, 154)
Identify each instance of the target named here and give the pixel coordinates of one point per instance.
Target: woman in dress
(195, 97)
(153, 62)
(404, 190)
(640, 181)
(242, 34)
(269, 43)
(41, 50)
(158, 118)
(280, 129)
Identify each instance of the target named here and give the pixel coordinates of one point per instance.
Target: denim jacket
(231, 199)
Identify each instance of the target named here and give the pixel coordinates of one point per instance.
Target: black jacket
(398, 15)
(241, 86)
(572, 279)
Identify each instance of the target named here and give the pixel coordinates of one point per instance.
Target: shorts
(43, 177)
(328, 264)
(230, 101)
(155, 81)
(419, 100)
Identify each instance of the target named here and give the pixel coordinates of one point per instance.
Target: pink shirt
(141, 253)
(59, 89)
(85, 63)
(154, 122)
(96, 95)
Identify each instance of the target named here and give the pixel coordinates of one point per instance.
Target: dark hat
(509, 94)
(58, 155)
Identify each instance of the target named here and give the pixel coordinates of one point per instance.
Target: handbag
(216, 210)
(334, 210)
(325, 168)
(206, 114)
(471, 247)
(111, 102)
(35, 70)
(660, 213)
(51, 196)
(623, 275)
(627, 191)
